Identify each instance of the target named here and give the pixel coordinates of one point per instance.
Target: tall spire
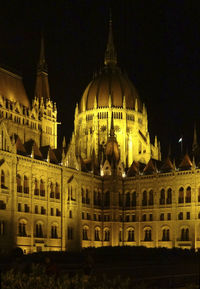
(42, 82)
(195, 143)
(42, 66)
(110, 54)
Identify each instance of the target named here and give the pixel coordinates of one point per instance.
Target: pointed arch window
(97, 234)
(87, 197)
(169, 196)
(54, 231)
(162, 197)
(131, 235)
(144, 198)
(107, 235)
(181, 195)
(151, 200)
(185, 234)
(134, 199)
(22, 229)
(36, 188)
(26, 186)
(165, 235)
(19, 184)
(188, 195)
(147, 235)
(57, 191)
(42, 188)
(51, 190)
(39, 230)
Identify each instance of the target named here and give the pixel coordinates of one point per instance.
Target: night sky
(157, 43)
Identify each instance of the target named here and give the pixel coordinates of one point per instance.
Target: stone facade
(108, 188)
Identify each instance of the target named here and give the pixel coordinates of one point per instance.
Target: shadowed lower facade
(107, 187)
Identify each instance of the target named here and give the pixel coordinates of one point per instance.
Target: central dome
(110, 88)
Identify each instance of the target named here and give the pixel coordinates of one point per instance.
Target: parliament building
(107, 187)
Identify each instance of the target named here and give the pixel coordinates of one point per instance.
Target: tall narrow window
(3, 180)
(36, 189)
(188, 195)
(169, 196)
(151, 198)
(134, 200)
(162, 197)
(42, 189)
(97, 234)
(19, 184)
(144, 199)
(131, 235)
(26, 187)
(181, 195)
(57, 191)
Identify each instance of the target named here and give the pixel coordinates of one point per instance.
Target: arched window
(85, 233)
(19, 184)
(83, 196)
(106, 235)
(144, 198)
(131, 235)
(185, 234)
(97, 234)
(188, 195)
(36, 189)
(169, 196)
(165, 235)
(181, 195)
(26, 187)
(54, 231)
(42, 189)
(22, 228)
(127, 202)
(147, 235)
(51, 190)
(151, 197)
(39, 230)
(3, 179)
(87, 197)
(162, 197)
(57, 191)
(134, 200)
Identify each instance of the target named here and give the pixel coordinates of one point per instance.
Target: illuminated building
(107, 188)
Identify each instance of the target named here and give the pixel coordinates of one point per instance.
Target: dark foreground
(103, 268)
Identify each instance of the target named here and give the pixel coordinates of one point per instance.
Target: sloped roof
(12, 88)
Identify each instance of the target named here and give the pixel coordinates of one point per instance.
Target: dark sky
(157, 42)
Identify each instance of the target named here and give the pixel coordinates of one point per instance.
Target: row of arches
(130, 235)
(39, 187)
(39, 229)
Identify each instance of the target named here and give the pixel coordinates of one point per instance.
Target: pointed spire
(195, 143)
(42, 66)
(42, 83)
(110, 54)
